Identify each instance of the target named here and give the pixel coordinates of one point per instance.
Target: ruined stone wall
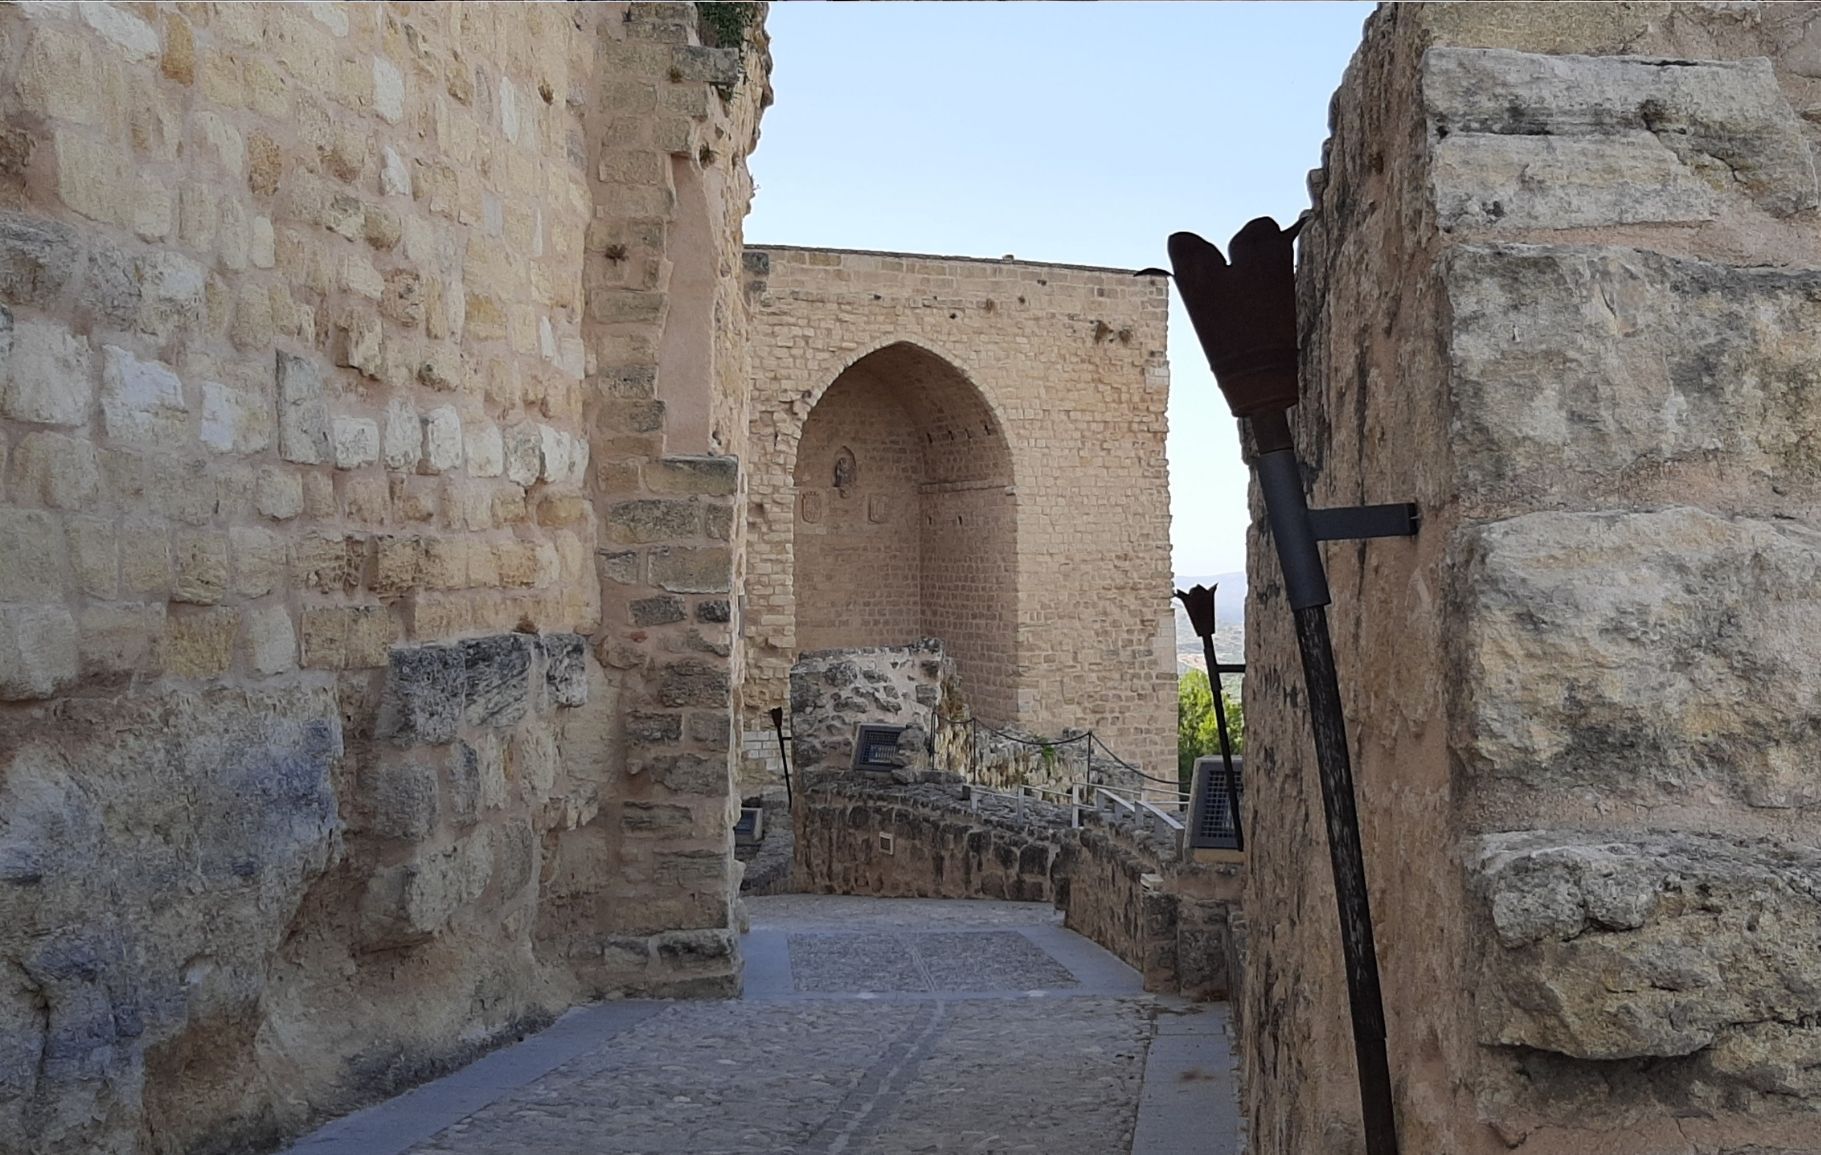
(320, 375)
(1564, 302)
(1056, 371)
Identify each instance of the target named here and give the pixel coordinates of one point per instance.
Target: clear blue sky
(1082, 133)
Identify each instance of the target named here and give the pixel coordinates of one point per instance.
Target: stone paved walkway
(879, 1026)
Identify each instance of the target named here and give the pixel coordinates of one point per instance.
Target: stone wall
(331, 345)
(1562, 301)
(1038, 394)
(1172, 920)
(833, 692)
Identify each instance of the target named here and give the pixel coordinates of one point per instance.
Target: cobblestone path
(885, 1026)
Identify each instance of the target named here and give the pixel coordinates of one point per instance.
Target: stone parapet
(1170, 919)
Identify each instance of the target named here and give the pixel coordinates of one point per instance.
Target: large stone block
(1646, 945)
(38, 654)
(48, 376)
(707, 774)
(142, 402)
(37, 258)
(710, 476)
(404, 436)
(169, 838)
(524, 453)
(408, 904)
(1576, 367)
(1690, 681)
(634, 522)
(1533, 141)
(442, 440)
(271, 640)
(565, 668)
(236, 418)
(693, 682)
(61, 472)
(402, 799)
(497, 679)
(686, 570)
(424, 695)
(32, 557)
(354, 441)
(303, 411)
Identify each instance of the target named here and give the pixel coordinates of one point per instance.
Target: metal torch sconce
(1244, 312)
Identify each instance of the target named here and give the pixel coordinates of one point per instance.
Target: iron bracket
(1352, 522)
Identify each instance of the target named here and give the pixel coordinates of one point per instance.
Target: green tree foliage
(1197, 733)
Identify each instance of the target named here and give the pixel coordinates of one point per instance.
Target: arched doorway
(906, 520)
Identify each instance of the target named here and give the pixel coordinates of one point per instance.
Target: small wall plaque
(878, 509)
(811, 505)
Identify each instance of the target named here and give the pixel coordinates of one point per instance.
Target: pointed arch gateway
(906, 520)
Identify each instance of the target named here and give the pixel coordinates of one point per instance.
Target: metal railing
(1081, 797)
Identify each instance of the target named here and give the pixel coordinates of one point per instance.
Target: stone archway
(906, 520)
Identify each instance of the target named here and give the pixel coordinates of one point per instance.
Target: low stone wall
(1177, 923)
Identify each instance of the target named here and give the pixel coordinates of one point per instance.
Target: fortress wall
(314, 766)
(1564, 302)
(1052, 592)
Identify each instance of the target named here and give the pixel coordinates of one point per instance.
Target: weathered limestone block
(403, 800)
(132, 939)
(1648, 945)
(236, 418)
(442, 440)
(496, 679)
(141, 401)
(565, 668)
(1691, 679)
(1574, 367)
(524, 453)
(706, 774)
(62, 472)
(1523, 140)
(37, 651)
(303, 411)
(354, 441)
(408, 904)
(424, 695)
(48, 374)
(485, 449)
(37, 258)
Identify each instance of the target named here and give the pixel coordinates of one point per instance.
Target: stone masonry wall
(1565, 302)
(859, 573)
(1061, 366)
(330, 344)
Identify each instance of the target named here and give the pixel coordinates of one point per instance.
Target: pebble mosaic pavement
(877, 1026)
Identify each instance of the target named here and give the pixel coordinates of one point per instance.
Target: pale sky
(1079, 133)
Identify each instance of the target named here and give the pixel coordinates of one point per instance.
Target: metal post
(1245, 315)
(1199, 602)
(777, 723)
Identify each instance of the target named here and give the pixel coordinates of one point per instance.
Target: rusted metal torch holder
(1245, 315)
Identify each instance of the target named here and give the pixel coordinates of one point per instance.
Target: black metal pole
(1245, 312)
(1306, 589)
(1226, 742)
(777, 723)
